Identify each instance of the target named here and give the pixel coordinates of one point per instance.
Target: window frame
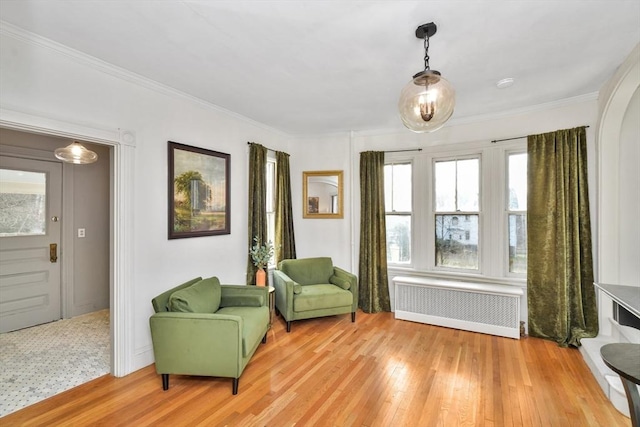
(402, 160)
(508, 211)
(459, 213)
(271, 214)
(493, 235)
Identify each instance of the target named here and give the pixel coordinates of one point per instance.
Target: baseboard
(143, 357)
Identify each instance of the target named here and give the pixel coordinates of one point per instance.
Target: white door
(30, 222)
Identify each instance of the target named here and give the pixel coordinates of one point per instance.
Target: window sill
(395, 270)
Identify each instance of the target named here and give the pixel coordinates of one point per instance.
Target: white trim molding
(25, 36)
(122, 197)
(615, 98)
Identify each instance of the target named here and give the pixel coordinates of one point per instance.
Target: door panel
(30, 209)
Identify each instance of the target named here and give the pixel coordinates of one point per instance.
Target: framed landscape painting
(199, 192)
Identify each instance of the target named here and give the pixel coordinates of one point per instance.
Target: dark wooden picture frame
(199, 192)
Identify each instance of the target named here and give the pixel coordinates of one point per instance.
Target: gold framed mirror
(322, 194)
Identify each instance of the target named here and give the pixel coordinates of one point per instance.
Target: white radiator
(478, 307)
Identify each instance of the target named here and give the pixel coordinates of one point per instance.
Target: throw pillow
(297, 288)
(201, 297)
(339, 281)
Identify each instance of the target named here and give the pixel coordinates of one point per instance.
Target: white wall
(322, 237)
(45, 80)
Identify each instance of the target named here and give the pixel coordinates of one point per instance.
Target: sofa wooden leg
(165, 382)
(353, 317)
(264, 339)
(235, 385)
(288, 326)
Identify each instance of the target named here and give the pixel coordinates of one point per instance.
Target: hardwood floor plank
(376, 372)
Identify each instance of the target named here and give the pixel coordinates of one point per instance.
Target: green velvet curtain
(257, 224)
(374, 286)
(285, 244)
(560, 290)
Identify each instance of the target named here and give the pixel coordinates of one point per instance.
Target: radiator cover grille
(459, 308)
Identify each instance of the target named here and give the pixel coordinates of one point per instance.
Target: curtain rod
(511, 139)
(403, 151)
(270, 149)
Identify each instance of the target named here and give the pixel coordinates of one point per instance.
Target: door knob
(53, 252)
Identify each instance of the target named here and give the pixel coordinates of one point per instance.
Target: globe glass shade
(426, 102)
(76, 153)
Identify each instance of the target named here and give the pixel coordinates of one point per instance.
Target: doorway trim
(122, 241)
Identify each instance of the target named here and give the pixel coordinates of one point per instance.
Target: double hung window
(457, 213)
(458, 210)
(271, 203)
(398, 207)
(517, 212)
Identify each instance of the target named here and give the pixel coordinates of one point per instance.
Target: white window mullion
(423, 237)
(492, 180)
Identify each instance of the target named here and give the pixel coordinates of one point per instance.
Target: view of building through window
(397, 194)
(452, 223)
(270, 204)
(517, 211)
(457, 195)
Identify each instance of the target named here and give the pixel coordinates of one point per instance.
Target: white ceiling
(309, 67)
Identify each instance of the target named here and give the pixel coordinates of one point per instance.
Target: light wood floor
(376, 372)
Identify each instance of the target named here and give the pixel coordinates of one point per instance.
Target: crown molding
(15, 32)
(575, 100)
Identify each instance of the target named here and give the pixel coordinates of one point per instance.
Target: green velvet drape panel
(285, 244)
(257, 224)
(374, 286)
(560, 290)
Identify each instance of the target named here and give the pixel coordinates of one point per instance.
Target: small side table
(272, 304)
(624, 359)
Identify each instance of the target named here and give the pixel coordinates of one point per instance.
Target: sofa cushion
(254, 320)
(201, 297)
(308, 271)
(340, 281)
(318, 297)
(297, 288)
(234, 298)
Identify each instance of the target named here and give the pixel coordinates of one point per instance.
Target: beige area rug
(39, 362)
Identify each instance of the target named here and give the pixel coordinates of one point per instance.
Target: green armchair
(207, 329)
(314, 287)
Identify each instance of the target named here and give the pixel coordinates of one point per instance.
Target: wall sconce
(76, 153)
(427, 101)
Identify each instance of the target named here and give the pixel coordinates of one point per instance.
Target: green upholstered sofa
(314, 287)
(207, 329)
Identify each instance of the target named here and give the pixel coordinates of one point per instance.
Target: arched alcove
(615, 154)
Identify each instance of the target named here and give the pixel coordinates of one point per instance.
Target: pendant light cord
(426, 52)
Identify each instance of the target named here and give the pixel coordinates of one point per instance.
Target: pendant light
(76, 153)
(427, 101)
